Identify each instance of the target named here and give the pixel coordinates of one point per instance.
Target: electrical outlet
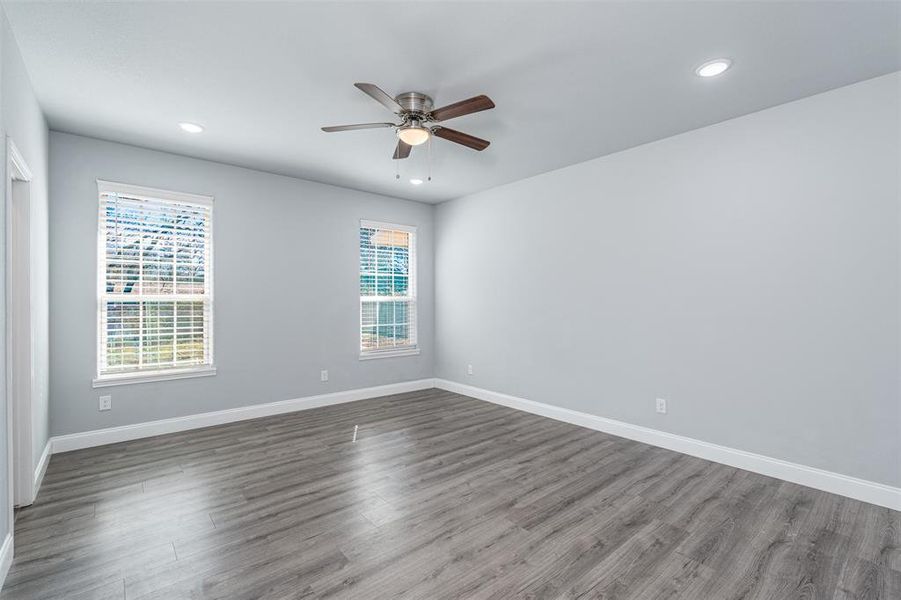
(323, 375)
(661, 405)
(104, 402)
(469, 369)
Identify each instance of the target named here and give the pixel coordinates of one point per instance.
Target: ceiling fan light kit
(413, 134)
(416, 114)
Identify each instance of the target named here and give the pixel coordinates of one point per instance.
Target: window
(387, 290)
(155, 284)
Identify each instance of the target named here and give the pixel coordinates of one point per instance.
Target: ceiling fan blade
(360, 126)
(463, 107)
(470, 141)
(376, 93)
(402, 150)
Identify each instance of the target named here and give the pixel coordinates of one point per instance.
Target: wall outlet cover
(104, 403)
(661, 406)
(323, 375)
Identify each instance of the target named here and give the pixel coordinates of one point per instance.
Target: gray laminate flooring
(441, 496)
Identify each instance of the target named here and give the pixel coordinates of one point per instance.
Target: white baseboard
(40, 469)
(843, 485)
(6, 557)
(852, 487)
(112, 435)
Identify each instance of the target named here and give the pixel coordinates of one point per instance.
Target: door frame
(18, 406)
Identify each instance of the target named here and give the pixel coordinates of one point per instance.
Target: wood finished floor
(442, 496)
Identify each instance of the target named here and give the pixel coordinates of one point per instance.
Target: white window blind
(387, 288)
(155, 282)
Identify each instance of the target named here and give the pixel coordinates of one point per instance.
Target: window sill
(149, 376)
(388, 353)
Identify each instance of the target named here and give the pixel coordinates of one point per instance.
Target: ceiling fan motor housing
(415, 102)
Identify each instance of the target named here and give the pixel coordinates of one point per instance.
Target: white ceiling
(571, 81)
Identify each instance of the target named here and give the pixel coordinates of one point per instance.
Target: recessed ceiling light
(712, 68)
(191, 127)
(416, 181)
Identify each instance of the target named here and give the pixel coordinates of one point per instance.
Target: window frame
(155, 374)
(413, 297)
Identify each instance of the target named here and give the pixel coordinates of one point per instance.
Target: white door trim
(18, 417)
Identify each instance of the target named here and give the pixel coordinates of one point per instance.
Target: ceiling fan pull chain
(429, 152)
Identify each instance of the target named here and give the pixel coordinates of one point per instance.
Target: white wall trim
(6, 558)
(149, 193)
(836, 483)
(843, 485)
(40, 469)
(388, 353)
(151, 376)
(100, 437)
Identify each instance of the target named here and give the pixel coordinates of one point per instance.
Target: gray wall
(748, 272)
(22, 120)
(285, 277)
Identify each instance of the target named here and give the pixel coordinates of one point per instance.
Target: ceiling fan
(416, 114)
